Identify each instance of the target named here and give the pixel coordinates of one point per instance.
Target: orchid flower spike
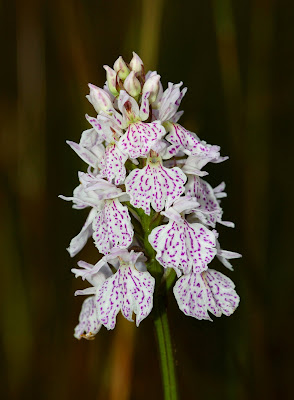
(151, 213)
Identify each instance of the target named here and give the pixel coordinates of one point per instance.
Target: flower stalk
(165, 349)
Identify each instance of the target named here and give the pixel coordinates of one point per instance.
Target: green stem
(164, 282)
(165, 349)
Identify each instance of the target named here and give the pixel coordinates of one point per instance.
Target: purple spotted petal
(210, 291)
(111, 124)
(112, 227)
(140, 137)
(144, 109)
(188, 142)
(138, 290)
(128, 290)
(222, 291)
(208, 203)
(155, 185)
(106, 127)
(209, 211)
(97, 127)
(191, 295)
(170, 101)
(89, 324)
(181, 245)
(113, 164)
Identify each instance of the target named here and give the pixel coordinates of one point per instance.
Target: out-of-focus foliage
(237, 60)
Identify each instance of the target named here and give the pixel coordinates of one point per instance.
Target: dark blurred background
(236, 58)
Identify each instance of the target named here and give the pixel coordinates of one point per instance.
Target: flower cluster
(148, 204)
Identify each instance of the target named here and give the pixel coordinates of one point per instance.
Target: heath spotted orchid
(152, 216)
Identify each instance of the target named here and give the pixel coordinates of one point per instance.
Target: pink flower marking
(112, 227)
(188, 142)
(210, 291)
(140, 137)
(89, 324)
(209, 211)
(113, 164)
(155, 185)
(128, 290)
(183, 246)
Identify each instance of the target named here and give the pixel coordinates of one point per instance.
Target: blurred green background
(236, 58)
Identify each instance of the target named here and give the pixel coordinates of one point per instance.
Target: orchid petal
(208, 203)
(83, 153)
(219, 189)
(138, 293)
(176, 117)
(95, 274)
(106, 126)
(128, 107)
(89, 138)
(155, 185)
(210, 291)
(127, 290)
(86, 292)
(113, 164)
(145, 109)
(225, 255)
(195, 163)
(97, 127)
(112, 227)
(84, 195)
(89, 324)
(140, 137)
(170, 101)
(222, 291)
(185, 204)
(188, 142)
(191, 296)
(79, 241)
(183, 246)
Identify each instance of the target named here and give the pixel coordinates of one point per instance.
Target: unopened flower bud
(136, 63)
(132, 85)
(152, 86)
(111, 80)
(121, 68)
(99, 98)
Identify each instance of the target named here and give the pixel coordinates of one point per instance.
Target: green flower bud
(121, 68)
(111, 80)
(136, 64)
(132, 85)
